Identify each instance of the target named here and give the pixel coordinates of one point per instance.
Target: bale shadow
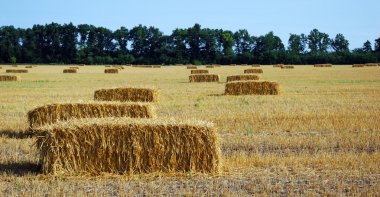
(16, 134)
(20, 169)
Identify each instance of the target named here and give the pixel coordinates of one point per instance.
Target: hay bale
(242, 78)
(69, 70)
(204, 78)
(74, 67)
(111, 70)
(191, 67)
(127, 94)
(287, 67)
(28, 66)
(210, 66)
(232, 64)
(14, 66)
(277, 66)
(16, 71)
(323, 65)
(252, 87)
(156, 66)
(253, 70)
(358, 65)
(1, 67)
(371, 64)
(9, 78)
(107, 66)
(199, 71)
(128, 146)
(256, 65)
(49, 114)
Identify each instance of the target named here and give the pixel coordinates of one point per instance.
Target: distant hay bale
(252, 87)
(371, 64)
(210, 66)
(256, 65)
(111, 70)
(323, 65)
(28, 66)
(9, 78)
(74, 67)
(70, 70)
(277, 66)
(204, 78)
(16, 71)
(287, 67)
(107, 66)
(242, 78)
(358, 65)
(49, 114)
(156, 66)
(1, 67)
(191, 67)
(199, 71)
(127, 94)
(232, 64)
(128, 146)
(14, 65)
(253, 70)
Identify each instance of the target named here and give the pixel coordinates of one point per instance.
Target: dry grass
(256, 65)
(52, 113)
(253, 70)
(111, 70)
(70, 70)
(127, 94)
(323, 65)
(128, 146)
(252, 87)
(199, 71)
(9, 78)
(16, 71)
(204, 78)
(242, 78)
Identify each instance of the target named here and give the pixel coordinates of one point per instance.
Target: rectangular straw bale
(156, 66)
(256, 65)
(1, 67)
(252, 87)
(9, 78)
(232, 64)
(16, 71)
(204, 78)
(14, 65)
(287, 67)
(323, 65)
(127, 94)
(52, 113)
(70, 70)
(191, 67)
(28, 66)
(128, 146)
(209, 66)
(371, 64)
(358, 65)
(242, 78)
(277, 66)
(199, 71)
(253, 70)
(111, 70)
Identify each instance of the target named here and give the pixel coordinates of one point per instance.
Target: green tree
(297, 43)
(340, 44)
(318, 42)
(367, 46)
(13, 60)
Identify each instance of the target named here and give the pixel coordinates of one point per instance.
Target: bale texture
(53, 113)
(210, 66)
(28, 66)
(358, 65)
(371, 64)
(253, 70)
(204, 78)
(252, 87)
(70, 70)
(242, 78)
(191, 67)
(199, 71)
(16, 71)
(323, 65)
(128, 146)
(9, 78)
(287, 67)
(127, 94)
(111, 70)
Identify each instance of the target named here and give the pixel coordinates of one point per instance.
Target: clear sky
(357, 20)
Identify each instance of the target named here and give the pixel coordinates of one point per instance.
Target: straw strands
(16, 71)
(111, 70)
(199, 71)
(9, 78)
(242, 78)
(253, 70)
(204, 78)
(128, 146)
(127, 94)
(252, 87)
(53, 113)
(70, 70)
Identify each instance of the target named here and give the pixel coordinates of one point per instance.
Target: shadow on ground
(20, 169)
(15, 134)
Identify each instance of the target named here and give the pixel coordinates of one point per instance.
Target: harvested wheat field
(127, 94)
(52, 113)
(319, 137)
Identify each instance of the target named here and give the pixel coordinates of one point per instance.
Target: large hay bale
(252, 87)
(371, 64)
(204, 78)
(358, 65)
(9, 78)
(111, 70)
(127, 94)
(128, 146)
(253, 70)
(256, 65)
(287, 67)
(199, 71)
(242, 78)
(52, 113)
(323, 65)
(191, 67)
(28, 66)
(16, 71)
(69, 70)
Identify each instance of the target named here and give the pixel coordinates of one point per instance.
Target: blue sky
(357, 20)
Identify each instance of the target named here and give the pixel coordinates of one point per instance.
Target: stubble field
(320, 136)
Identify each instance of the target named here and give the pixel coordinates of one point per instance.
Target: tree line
(88, 44)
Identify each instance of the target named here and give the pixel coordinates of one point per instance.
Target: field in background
(321, 135)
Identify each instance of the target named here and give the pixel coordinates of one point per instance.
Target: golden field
(320, 136)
